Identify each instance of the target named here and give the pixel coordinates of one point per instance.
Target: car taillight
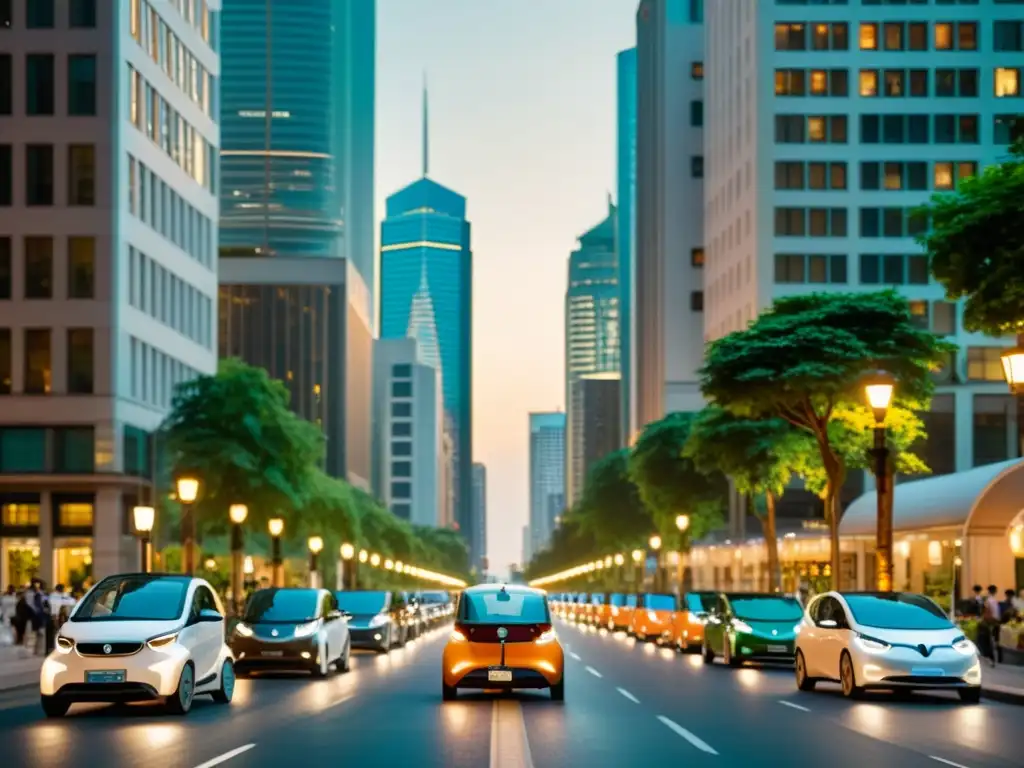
(458, 634)
(545, 634)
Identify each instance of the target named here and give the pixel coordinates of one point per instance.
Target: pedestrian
(1007, 611)
(22, 617)
(978, 601)
(990, 624)
(60, 604)
(8, 608)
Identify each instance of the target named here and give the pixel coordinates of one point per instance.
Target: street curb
(1003, 694)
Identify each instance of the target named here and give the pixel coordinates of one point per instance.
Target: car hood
(913, 637)
(772, 629)
(362, 620)
(116, 631)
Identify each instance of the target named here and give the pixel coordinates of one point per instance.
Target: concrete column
(47, 565)
(111, 549)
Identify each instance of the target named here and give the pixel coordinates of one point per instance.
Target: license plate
(105, 676)
(926, 672)
(499, 675)
(777, 649)
(272, 654)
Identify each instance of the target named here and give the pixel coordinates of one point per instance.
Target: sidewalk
(1003, 683)
(18, 668)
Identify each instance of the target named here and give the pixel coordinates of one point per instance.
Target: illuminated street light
(237, 513)
(654, 542)
(363, 555)
(682, 522)
(276, 527)
(878, 389)
(316, 545)
(375, 560)
(1013, 369)
(638, 555)
(620, 559)
(188, 491)
(347, 551)
(144, 518)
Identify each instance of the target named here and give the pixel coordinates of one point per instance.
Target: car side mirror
(828, 624)
(346, 615)
(209, 616)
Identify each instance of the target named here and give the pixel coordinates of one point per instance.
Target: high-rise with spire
(426, 292)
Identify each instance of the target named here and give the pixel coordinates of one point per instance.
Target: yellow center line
(510, 747)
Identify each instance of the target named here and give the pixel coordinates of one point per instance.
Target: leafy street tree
(444, 550)
(571, 544)
(668, 481)
(976, 246)
(611, 510)
(760, 456)
(807, 356)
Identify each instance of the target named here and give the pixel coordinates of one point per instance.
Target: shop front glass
(21, 561)
(72, 564)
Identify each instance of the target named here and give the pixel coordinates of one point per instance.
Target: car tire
(180, 702)
(226, 692)
(706, 653)
(970, 695)
(385, 645)
(54, 706)
(727, 656)
(448, 692)
(558, 689)
(848, 678)
(322, 669)
(345, 662)
(803, 681)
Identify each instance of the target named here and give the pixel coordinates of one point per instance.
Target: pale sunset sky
(522, 123)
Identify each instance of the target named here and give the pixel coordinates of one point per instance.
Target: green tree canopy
(976, 245)
(571, 544)
(444, 550)
(611, 510)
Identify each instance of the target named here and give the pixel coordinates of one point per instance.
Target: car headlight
(163, 641)
(65, 644)
(964, 646)
(796, 629)
(741, 626)
(871, 644)
(379, 620)
(615, 611)
(307, 630)
(546, 637)
(243, 630)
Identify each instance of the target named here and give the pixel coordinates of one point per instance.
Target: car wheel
(967, 695)
(323, 664)
(848, 678)
(54, 706)
(803, 682)
(727, 656)
(448, 692)
(180, 702)
(385, 644)
(345, 663)
(226, 691)
(558, 689)
(707, 653)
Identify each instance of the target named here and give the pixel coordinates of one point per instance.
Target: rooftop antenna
(426, 129)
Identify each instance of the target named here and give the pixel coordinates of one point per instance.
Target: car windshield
(768, 608)
(434, 597)
(700, 602)
(660, 602)
(282, 606)
(597, 599)
(897, 611)
(362, 603)
(617, 600)
(135, 598)
(631, 601)
(505, 608)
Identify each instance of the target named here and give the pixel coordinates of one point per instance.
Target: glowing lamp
(188, 489)
(316, 544)
(144, 518)
(347, 551)
(276, 526)
(238, 513)
(879, 389)
(1013, 369)
(655, 542)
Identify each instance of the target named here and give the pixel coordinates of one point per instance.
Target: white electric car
(886, 641)
(139, 637)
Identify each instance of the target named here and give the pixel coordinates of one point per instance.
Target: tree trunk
(771, 543)
(835, 472)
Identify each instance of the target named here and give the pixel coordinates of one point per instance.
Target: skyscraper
(297, 114)
(547, 477)
(625, 232)
(591, 326)
(596, 422)
(425, 251)
(480, 514)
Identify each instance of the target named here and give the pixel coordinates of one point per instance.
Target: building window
(81, 267)
(401, 489)
(39, 14)
(403, 511)
(943, 317)
(798, 268)
(401, 469)
(1007, 82)
(38, 366)
(790, 82)
(697, 70)
(81, 174)
(697, 166)
(697, 257)
(39, 84)
(401, 370)
(82, 14)
(75, 450)
(992, 415)
(946, 175)
(6, 363)
(956, 82)
(136, 451)
(20, 515)
(697, 113)
(23, 450)
(401, 449)
(868, 82)
(39, 174)
(6, 175)
(401, 409)
(868, 36)
(6, 14)
(401, 429)
(6, 90)
(82, 85)
(1007, 129)
(1008, 35)
(80, 361)
(956, 36)
(893, 269)
(38, 267)
(75, 514)
(697, 301)
(792, 37)
(6, 275)
(985, 364)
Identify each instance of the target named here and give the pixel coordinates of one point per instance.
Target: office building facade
(109, 263)
(591, 325)
(306, 320)
(625, 229)
(480, 515)
(668, 293)
(297, 121)
(596, 422)
(827, 126)
(547, 477)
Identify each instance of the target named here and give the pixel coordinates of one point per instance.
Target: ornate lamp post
(144, 517)
(655, 544)
(620, 560)
(638, 558)
(188, 491)
(249, 569)
(879, 389)
(682, 525)
(276, 527)
(348, 576)
(237, 514)
(316, 545)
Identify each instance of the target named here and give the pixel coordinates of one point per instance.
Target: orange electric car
(688, 622)
(653, 616)
(620, 615)
(503, 639)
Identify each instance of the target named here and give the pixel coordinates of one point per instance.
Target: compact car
(752, 627)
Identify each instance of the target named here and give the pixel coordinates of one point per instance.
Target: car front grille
(116, 649)
(923, 680)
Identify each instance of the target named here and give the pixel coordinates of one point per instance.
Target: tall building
(527, 549)
(547, 477)
(625, 231)
(596, 422)
(810, 180)
(297, 128)
(591, 324)
(480, 514)
(425, 248)
(668, 293)
(409, 416)
(108, 260)
(306, 320)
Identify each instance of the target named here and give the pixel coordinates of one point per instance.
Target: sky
(522, 123)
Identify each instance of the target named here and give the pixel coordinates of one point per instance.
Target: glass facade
(625, 226)
(425, 237)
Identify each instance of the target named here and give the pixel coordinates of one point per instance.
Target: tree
(807, 356)
(760, 456)
(668, 481)
(611, 510)
(445, 550)
(976, 245)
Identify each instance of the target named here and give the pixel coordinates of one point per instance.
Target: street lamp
(879, 390)
(144, 518)
(276, 527)
(237, 513)
(682, 525)
(348, 575)
(638, 556)
(187, 488)
(375, 560)
(248, 568)
(1013, 371)
(363, 555)
(389, 565)
(655, 544)
(316, 545)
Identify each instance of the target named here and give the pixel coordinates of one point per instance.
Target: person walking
(989, 624)
(8, 608)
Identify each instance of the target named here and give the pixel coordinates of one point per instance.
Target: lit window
(819, 82)
(1007, 81)
(894, 176)
(869, 82)
(943, 36)
(21, 515)
(816, 128)
(943, 176)
(966, 170)
(75, 515)
(869, 37)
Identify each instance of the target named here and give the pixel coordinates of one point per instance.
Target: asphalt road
(626, 704)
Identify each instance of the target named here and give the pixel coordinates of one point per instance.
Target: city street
(625, 705)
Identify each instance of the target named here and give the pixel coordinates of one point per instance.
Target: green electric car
(752, 627)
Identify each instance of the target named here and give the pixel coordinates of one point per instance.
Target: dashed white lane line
(575, 656)
(628, 695)
(944, 761)
(226, 756)
(339, 702)
(791, 705)
(594, 672)
(699, 743)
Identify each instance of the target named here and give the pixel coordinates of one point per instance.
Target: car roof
(514, 589)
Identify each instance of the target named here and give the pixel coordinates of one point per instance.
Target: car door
(715, 628)
(209, 634)
(809, 640)
(829, 623)
(337, 627)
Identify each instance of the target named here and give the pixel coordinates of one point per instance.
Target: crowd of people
(30, 617)
(992, 613)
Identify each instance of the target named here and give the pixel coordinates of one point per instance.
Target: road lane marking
(793, 706)
(576, 656)
(700, 744)
(510, 747)
(628, 695)
(944, 761)
(226, 756)
(594, 672)
(342, 700)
